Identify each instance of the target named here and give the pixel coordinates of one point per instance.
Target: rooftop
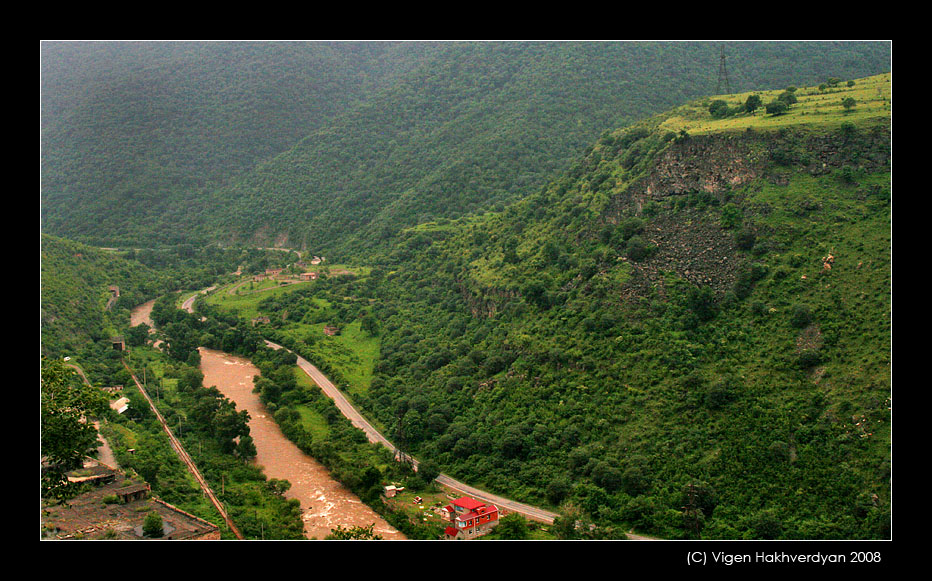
(116, 509)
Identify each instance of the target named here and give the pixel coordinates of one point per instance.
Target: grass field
(353, 352)
(815, 106)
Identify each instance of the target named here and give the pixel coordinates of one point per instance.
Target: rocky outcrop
(698, 164)
(691, 243)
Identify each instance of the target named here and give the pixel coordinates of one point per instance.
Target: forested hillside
(679, 320)
(134, 133)
(568, 273)
(73, 294)
(337, 146)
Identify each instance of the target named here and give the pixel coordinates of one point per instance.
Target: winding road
(374, 436)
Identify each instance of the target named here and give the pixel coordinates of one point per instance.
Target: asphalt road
(530, 512)
(375, 436)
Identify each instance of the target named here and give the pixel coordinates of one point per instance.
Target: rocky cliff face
(700, 164)
(692, 243)
(715, 164)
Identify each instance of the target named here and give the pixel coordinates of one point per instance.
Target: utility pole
(722, 76)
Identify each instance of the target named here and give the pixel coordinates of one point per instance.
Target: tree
(718, 109)
(702, 302)
(369, 324)
(788, 97)
(354, 533)
(66, 435)
(848, 103)
(152, 526)
(510, 527)
(637, 248)
(752, 103)
(731, 216)
(777, 107)
(279, 486)
(428, 470)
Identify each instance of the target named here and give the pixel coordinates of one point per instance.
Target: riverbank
(325, 503)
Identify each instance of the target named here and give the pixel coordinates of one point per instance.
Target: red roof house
(470, 518)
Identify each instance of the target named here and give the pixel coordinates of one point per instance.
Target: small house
(469, 518)
(120, 405)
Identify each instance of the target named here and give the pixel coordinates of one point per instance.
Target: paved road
(374, 436)
(531, 512)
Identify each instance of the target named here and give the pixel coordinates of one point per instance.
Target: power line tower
(722, 76)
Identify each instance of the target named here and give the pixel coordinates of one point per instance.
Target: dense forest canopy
(573, 275)
(336, 146)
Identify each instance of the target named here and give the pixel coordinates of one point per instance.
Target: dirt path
(142, 314)
(325, 502)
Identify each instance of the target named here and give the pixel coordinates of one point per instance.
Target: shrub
(152, 526)
(637, 249)
(777, 108)
(801, 316)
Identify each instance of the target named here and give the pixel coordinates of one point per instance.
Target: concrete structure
(115, 508)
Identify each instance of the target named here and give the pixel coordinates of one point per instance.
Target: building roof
(97, 514)
(468, 503)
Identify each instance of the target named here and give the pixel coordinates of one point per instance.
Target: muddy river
(325, 502)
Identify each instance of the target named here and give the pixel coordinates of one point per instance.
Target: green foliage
(544, 353)
(719, 109)
(370, 138)
(777, 107)
(66, 435)
(152, 525)
(354, 533)
(513, 526)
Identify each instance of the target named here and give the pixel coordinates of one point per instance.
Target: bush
(152, 526)
(638, 249)
(777, 108)
(801, 316)
(718, 109)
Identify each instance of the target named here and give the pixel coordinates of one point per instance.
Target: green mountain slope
(132, 132)
(179, 142)
(74, 292)
(679, 320)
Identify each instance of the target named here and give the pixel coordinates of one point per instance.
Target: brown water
(325, 502)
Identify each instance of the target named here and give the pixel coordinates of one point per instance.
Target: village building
(115, 507)
(331, 331)
(120, 405)
(309, 276)
(391, 490)
(273, 271)
(469, 518)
